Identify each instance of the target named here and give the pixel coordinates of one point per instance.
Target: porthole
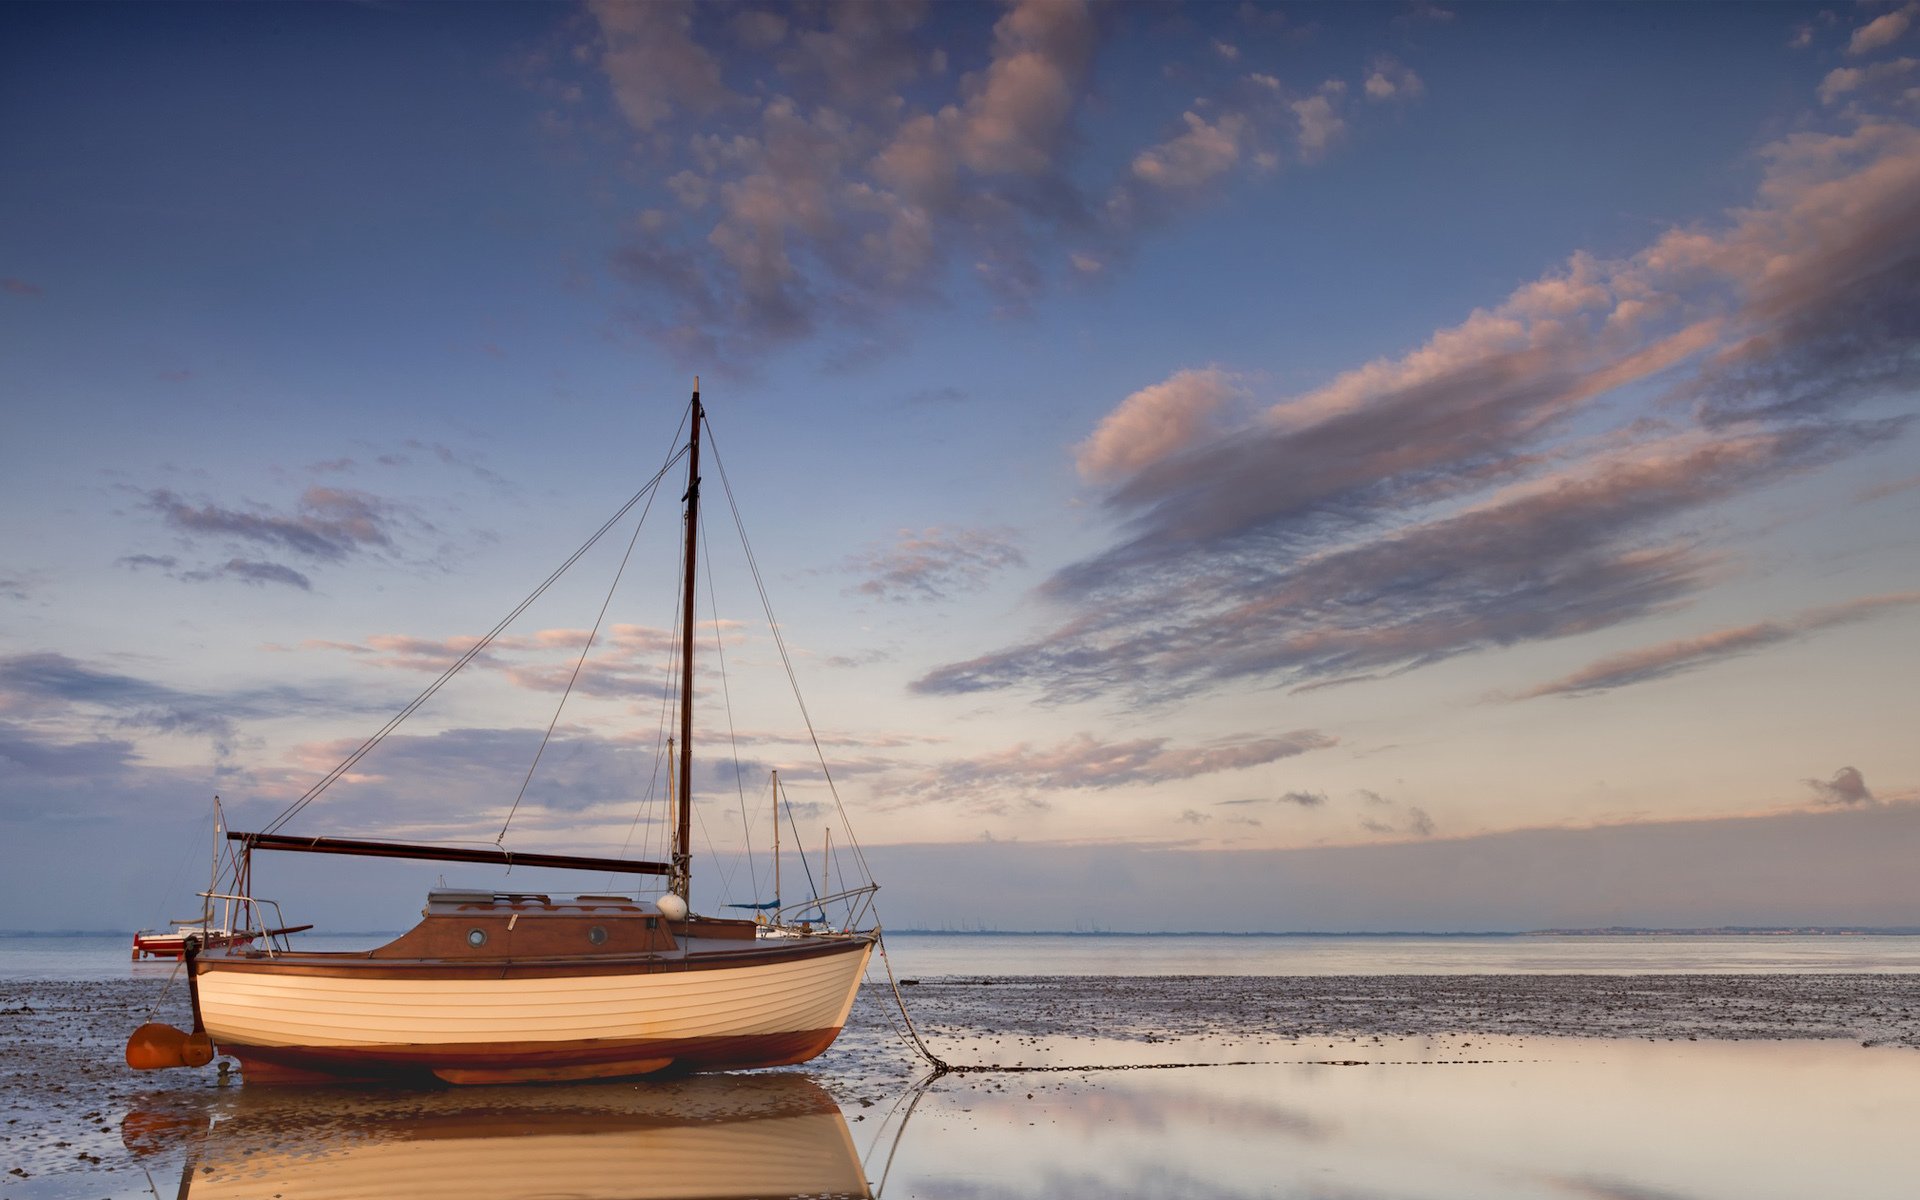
(476, 937)
(597, 935)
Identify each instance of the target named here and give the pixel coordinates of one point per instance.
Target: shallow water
(1282, 954)
(1347, 1084)
(1541, 1117)
(106, 956)
(1408, 1118)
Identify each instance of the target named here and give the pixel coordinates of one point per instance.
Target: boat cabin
(469, 925)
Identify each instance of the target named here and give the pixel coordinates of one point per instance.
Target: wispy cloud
(1686, 654)
(1409, 821)
(1087, 762)
(626, 662)
(1847, 787)
(328, 524)
(936, 563)
(19, 287)
(1439, 503)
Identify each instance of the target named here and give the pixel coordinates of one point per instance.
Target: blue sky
(1234, 441)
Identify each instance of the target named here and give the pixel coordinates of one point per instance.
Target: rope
(733, 736)
(940, 1065)
(171, 976)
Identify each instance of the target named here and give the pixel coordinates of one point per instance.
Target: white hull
(302, 1012)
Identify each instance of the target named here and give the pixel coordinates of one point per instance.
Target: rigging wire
(578, 665)
(733, 737)
(347, 764)
(786, 659)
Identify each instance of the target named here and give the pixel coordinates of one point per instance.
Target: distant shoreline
(1617, 931)
(1756, 931)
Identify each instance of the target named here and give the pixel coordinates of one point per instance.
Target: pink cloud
(1156, 423)
(1686, 654)
(1882, 31)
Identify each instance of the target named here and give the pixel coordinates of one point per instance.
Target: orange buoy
(154, 1047)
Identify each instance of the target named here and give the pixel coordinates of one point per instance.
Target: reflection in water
(1471, 1118)
(711, 1136)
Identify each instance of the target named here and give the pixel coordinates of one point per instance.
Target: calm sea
(105, 956)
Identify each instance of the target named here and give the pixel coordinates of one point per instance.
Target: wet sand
(66, 1095)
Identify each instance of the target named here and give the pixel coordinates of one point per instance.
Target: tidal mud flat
(76, 1122)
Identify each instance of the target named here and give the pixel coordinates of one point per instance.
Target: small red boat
(154, 943)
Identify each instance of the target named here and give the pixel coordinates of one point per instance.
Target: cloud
(50, 689)
(832, 198)
(1412, 820)
(329, 525)
(1686, 654)
(1156, 423)
(13, 587)
(626, 661)
(1086, 762)
(252, 571)
(19, 287)
(1559, 555)
(653, 63)
(24, 753)
(936, 563)
(460, 776)
(1196, 156)
(1847, 788)
(245, 570)
(809, 173)
(1320, 121)
(1882, 31)
(1389, 79)
(1444, 501)
(1842, 81)
(1893, 488)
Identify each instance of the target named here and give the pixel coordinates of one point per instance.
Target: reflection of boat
(710, 1136)
(507, 987)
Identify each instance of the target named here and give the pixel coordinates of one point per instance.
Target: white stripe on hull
(265, 1008)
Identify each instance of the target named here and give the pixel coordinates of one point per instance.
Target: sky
(1225, 466)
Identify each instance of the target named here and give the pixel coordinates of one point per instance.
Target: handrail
(779, 915)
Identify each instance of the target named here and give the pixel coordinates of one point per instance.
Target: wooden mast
(681, 878)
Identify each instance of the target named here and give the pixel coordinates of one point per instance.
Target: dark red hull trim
(526, 1061)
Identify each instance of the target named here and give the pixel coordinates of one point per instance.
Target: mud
(66, 1093)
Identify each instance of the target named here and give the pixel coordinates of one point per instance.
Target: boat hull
(304, 1017)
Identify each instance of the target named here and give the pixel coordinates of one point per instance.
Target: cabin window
(476, 937)
(653, 922)
(597, 935)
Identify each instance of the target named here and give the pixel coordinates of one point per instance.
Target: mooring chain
(943, 1067)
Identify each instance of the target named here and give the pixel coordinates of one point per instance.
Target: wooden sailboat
(494, 987)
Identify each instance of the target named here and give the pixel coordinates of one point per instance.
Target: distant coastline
(1608, 931)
